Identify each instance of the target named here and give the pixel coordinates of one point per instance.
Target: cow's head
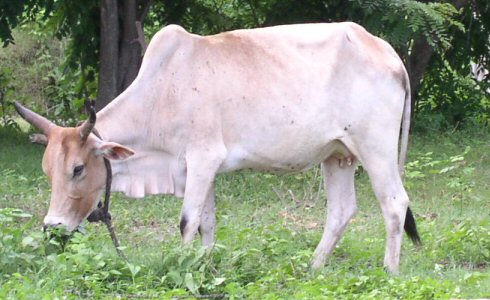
(74, 163)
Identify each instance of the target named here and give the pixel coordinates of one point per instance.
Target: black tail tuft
(411, 228)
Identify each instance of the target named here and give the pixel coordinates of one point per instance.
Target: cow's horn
(34, 119)
(88, 125)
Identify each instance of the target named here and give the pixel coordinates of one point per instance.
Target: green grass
(268, 227)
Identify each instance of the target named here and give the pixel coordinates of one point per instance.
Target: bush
(467, 244)
(6, 89)
(450, 97)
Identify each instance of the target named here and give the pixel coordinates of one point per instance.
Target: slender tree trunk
(109, 53)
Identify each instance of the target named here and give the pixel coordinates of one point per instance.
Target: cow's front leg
(208, 221)
(201, 171)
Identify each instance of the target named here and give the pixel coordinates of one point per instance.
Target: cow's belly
(287, 160)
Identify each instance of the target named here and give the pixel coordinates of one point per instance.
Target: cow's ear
(113, 151)
(38, 138)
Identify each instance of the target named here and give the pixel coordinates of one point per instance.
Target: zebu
(279, 99)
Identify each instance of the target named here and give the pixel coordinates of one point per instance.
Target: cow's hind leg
(341, 204)
(389, 190)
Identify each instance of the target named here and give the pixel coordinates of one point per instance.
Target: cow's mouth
(58, 236)
(98, 214)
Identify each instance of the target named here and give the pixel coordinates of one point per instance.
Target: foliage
(425, 164)
(80, 22)
(67, 92)
(12, 258)
(32, 79)
(468, 243)
(455, 95)
(5, 106)
(474, 42)
(12, 13)
(448, 88)
(64, 79)
(403, 20)
(74, 78)
(449, 94)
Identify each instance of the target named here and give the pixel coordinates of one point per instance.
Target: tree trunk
(109, 53)
(417, 64)
(130, 54)
(121, 46)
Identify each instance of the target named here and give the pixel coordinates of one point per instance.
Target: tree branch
(144, 12)
(141, 37)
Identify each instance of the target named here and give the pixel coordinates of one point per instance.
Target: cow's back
(287, 95)
(275, 97)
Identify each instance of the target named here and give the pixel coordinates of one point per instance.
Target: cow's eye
(77, 171)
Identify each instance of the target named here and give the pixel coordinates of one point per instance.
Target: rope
(101, 214)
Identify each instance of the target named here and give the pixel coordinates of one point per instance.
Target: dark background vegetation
(101, 42)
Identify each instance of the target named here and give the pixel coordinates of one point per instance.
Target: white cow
(279, 99)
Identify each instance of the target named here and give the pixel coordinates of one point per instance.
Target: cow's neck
(151, 170)
(122, 120)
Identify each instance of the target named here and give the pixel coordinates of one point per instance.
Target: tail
(409, 226)
(405, 125)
